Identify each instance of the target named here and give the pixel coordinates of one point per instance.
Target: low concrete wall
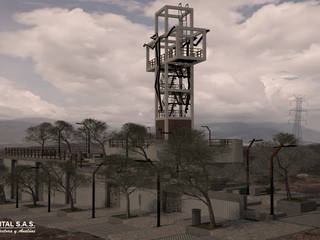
(141, 200)
(226, 205)
(292, 208)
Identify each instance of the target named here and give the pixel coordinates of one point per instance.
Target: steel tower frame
(176, 52)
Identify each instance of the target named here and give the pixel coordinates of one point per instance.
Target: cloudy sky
(73, 59)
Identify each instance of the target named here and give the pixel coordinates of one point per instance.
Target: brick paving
(256, 230)
(173, 225)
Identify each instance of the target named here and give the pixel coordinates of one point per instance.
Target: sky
(75, 59)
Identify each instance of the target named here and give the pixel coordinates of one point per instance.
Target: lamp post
(93, 213)
(49, 194)
(275, 152)
(49, 187)
(209, 130)
(247, 165)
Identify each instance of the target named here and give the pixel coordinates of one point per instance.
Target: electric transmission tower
(297, 114)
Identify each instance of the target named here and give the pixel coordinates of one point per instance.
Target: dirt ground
(307, 235)
(48, 234)
(305, 184)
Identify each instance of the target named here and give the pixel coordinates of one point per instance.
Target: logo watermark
(17, 227)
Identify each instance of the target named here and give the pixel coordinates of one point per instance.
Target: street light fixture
(247, 165)
(275, 152)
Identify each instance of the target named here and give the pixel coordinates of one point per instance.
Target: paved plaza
(173, 225)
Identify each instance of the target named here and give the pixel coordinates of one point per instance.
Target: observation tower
(175, 48)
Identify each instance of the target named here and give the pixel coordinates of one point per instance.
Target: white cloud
(99, 58)
(21, 103)
(128, 5)
(92, 56)
(244, 74)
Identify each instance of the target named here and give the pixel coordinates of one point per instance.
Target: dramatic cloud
(96, 60)
(128, 5)
(23, 103)
(256, 64)
(260, 54)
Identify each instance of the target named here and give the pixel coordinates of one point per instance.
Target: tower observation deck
(175, 48)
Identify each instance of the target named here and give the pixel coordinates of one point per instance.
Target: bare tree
(284, 138)
(137, 139)
(27, 181)
(289, 161)
(191, 163)
(40, 134)
(58, 174)
(126, 174)
(64, 131)
(3, 179)
(97, 131)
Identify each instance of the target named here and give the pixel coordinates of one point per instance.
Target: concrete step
(252, 214)
(279, 214)
(258, 215)
(254, 203)
(183, 236)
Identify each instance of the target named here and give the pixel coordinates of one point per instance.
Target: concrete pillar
(13, 185)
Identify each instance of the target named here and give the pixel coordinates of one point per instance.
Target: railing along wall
(35, 152)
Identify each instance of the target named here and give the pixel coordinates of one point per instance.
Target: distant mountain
(12, 132)
(264, 130)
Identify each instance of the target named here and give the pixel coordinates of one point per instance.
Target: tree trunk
(2, 194)
(128, 205)
(286, 179)
(69, 146)
(34, 199)
(42, 148)
(71, 200)
(211, 213)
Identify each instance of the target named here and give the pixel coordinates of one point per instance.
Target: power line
(298, 117)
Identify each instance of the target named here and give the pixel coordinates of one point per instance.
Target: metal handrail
(191, 52)
(175, 113)
(35, 152)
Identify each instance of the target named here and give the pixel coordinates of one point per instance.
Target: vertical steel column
(192, 94)
(93, 194)
(13, 169)
(156, 103)
(37, 181)
(49, 193)
(166, 73)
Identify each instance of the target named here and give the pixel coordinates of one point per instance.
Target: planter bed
(121, 218)
(203, 229)
(296, 206)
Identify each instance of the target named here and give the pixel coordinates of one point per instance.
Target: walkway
(173, 225)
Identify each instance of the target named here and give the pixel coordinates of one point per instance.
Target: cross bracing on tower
(171, 55)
